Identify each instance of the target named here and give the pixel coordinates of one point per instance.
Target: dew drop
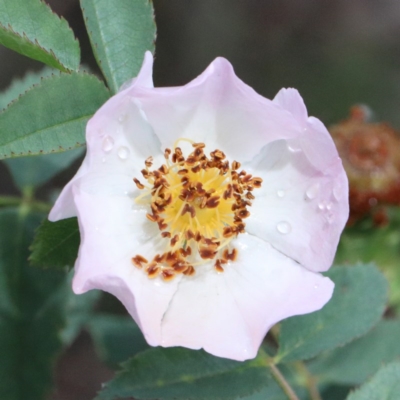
(294, 148)
(329, 206)
(123, 153)
(283, 227)
(321, 205)
(108, 144)
(280, 193)
(315, 286)
(121, 118)
(312, 191)
(337, 191)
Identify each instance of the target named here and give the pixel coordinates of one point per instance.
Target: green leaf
(29, 27)
(51, 117)
(360, 359)
(365, 242)
(385, 385)
(56, 244)
(178, 373)
(116, 338)
(120, 34)
(31, 312)
(34, 171)
(19, 86)
(356, 306)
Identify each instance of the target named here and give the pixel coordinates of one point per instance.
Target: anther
(138, 184)
(153, 270)
(167, 153)
(235, 165)
(218, 266)
(231, 256)
(189, 234)
(167, 275)
(189, 271)
(213, 202)
(166, 234)
(152, 217)
(163, 169)
(149, 161)
(256, 182)
(174, 240)
(207, 253)
(138, 261)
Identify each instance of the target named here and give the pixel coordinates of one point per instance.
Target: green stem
(311, 381)
(10, 201)
(283, 383)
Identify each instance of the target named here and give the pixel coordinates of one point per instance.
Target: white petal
(299, 209)
(228, 314)
(217, 108)
(112, 232)
(290, 100)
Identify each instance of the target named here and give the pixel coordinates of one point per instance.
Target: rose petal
(112, 232)
(315, 140)
(216, 108)
(297, 209)
(228, 314)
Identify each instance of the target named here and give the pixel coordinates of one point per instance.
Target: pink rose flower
(207, 209)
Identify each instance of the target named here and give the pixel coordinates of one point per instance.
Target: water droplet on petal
(312, 191)
(283, 227)
(337, 191)
(294, 147)
(315, 286)
(108, 144)
(123, 153)
(321, 205)
(280, 193)
(121, 118)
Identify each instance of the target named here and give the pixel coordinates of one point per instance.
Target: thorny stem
(310, 381)
(283, 383)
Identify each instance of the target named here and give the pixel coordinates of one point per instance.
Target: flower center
(199, 204)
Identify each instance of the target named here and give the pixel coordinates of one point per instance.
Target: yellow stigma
(199, 204)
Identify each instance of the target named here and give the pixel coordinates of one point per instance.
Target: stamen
(199, 204)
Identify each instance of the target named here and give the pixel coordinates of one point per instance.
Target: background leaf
(178, 373)
(32, 29)
(19, 86)
(120, 34)
(78, 309)
(365, 242)
(356, 362)
(56, 244)
(31, 312)
(357, 304)
(52, 116)
(116, 338)
(385, 385)
(35, 171)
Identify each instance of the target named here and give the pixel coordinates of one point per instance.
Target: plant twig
(283, 383)
(311, 381)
